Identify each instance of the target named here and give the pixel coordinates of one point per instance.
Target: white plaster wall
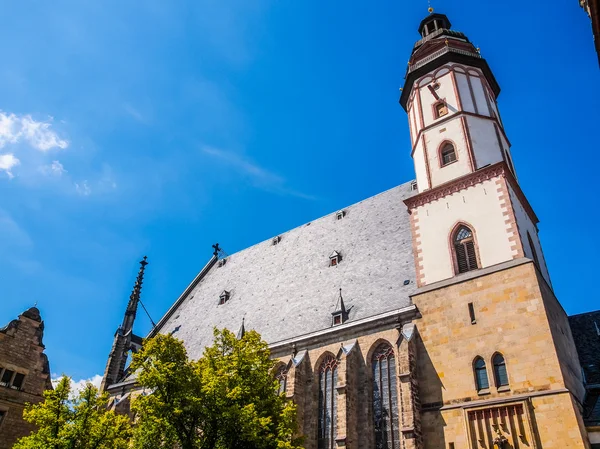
(485, 142)
(411, 123)
(480, 207)
(445, 91)
(525, 225)
(451, 130)
(464, 92)
(480, 96)
(420, 168)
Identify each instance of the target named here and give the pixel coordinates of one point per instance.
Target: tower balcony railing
(429, 36)
(438, 53)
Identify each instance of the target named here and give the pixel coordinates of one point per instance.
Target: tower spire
(134, 298)
(125, 340)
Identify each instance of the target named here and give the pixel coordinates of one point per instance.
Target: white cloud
(54, 169)
(7, 162)
(83, 188)
(78, 386)
(16, 128)
(261, 177)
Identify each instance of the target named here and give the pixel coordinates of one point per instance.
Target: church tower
(497, 364)
(469, 197)
(124, 340)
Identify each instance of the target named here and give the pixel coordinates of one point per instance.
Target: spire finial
(429, 8)
(216, 249)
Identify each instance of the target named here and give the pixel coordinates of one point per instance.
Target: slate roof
(585, 328)
(289, 289)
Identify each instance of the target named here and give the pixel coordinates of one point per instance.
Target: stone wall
(516, 315)
(21, 353)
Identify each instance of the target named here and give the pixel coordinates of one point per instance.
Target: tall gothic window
(281, 376)
(447, 154)
(533, 251)
(481, 378)
(385, 398)
(500, 374)
(327, 403)
(464, 249)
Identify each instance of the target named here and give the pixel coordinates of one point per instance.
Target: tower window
(440, 109)
(481, 379)
(500, 374)
(2, 415)
(6, 379)
(464, 250)
(17, 383)
(327, 419)
(447, 154)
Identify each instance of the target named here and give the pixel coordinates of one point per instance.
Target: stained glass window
(385, 398)
(500, 374)
(327, 403)
(481, 378)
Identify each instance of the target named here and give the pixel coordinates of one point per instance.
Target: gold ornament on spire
(430, 9)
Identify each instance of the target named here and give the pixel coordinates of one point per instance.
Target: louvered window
(500, 374)
(327, 403)
(281, 377)
(385, 399)
(481, 379)
(464, 247)
(448, 154)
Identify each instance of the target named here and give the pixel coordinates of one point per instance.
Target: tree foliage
(226, 400)
(81, 423)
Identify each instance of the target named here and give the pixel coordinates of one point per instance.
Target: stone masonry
(24, 373)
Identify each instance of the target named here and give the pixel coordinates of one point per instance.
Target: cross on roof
(216, 249)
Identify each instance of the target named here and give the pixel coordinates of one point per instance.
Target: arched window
(481, 379)
(500, 374)
(464, 249)
(533, 252)
(281, 376)
(447, 154)
(327, 403)
(385, 398)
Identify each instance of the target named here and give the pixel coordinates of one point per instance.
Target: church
(422, 317)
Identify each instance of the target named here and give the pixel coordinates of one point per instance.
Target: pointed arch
(281, 373)
(533, 251)
(327, 370)
(480, 373)
(500, 372)
(447, 153)
(385, 396)
(464, 248)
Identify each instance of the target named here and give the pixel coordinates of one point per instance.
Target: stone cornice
(477, 177)
(456, 185)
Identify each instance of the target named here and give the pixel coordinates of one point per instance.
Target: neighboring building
(24, 373)
(423, 317)
(586, 333)
(592, 8)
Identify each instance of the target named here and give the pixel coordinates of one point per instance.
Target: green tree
(81, 423)
(226, 400)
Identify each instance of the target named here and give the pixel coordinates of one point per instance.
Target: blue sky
(161, 127)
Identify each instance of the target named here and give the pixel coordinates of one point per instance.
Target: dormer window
(413, 185)
(440, 109)
(340, 315)
(337, 319)
(276, 240)
(341, 214)
(224, 297)
(222, 262)
(334, 259)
